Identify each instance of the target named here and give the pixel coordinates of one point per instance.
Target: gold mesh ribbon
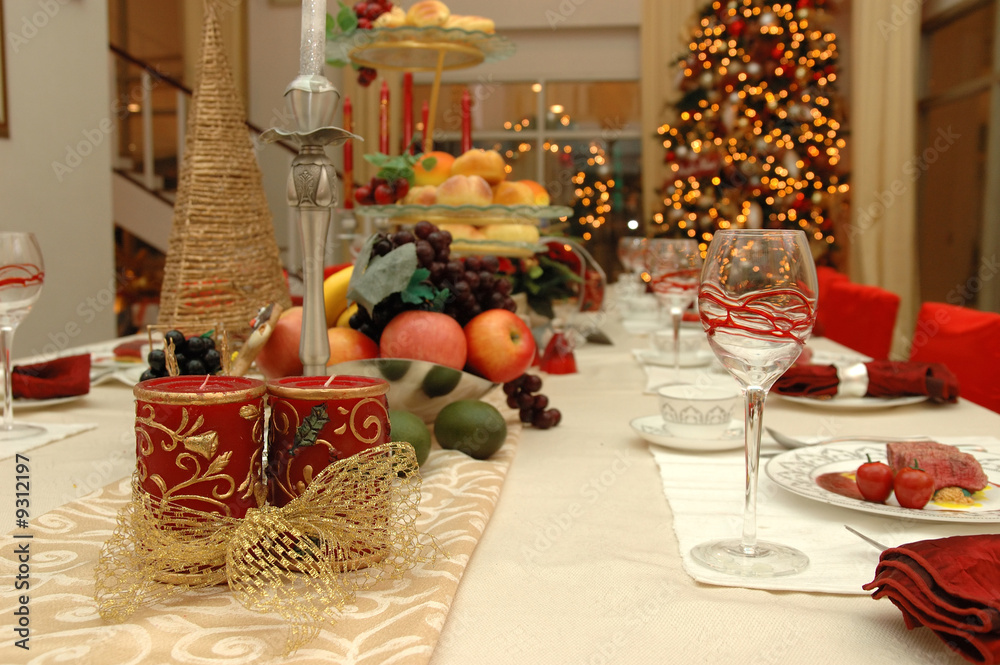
(354, 525)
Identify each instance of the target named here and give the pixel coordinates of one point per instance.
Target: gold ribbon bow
(354, 525)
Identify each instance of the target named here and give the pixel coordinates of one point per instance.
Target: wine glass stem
(6, 341)
(755, 396)
(675, 322)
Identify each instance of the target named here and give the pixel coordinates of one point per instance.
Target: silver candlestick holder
(312, 102)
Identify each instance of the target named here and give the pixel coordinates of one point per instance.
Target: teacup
(698, 412)
(690, 341)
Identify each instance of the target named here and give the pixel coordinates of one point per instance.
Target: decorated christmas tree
(757, 137)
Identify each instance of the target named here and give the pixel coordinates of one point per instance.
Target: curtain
(885, 43)
(663, 36)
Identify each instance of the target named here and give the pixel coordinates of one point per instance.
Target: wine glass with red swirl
(757, 302)
(21, 275)
(673, 266)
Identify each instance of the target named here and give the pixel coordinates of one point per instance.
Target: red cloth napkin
(62, 377)
(885, 379)
(950, 585)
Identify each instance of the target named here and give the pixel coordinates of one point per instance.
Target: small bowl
(700, 412)
(420, 387)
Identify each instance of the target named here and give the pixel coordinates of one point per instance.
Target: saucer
(653, 357)
(654, 430)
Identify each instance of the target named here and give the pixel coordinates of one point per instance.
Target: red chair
(965, 340)
(860, 317)
(825, 278)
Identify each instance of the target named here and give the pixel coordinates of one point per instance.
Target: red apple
(349, 344)
(501, 346)
(280, 354)
(430, 336)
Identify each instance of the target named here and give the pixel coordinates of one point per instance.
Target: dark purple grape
(503, 285)
(455, 270)
(195, 367)
(495, 300)
(475, 310)
(525, 401)
(213, 360)
(486, 279)
(512, 402)
(402, 238)
(150, 374)
(177, 337)
(531, 383)
(447, 237)
(425, 253)
(437, 240)
(472, 278)
(157, 360)
(541, 401)
(510, 388)
(382, 247)
(527, 415)
(519, 381)
(461, 289)
(509, 304)
(423, 229)
(196, 347)
(181, 360)
(437, 272)
(556, 416)
(473, 263)
(489, 263)
(542, 420)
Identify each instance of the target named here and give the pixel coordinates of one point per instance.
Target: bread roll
(427, 13)
(487, 164)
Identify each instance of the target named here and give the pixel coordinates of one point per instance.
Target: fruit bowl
(420, 387)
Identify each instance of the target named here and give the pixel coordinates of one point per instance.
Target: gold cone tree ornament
(222, 262)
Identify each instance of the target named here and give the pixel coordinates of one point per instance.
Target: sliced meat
(949, 466)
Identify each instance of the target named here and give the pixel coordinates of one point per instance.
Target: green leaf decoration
(419, 291)
(310, 428)
(429, 163)
(394, 167)
(376, 278)
(347, 21)
(437, 304)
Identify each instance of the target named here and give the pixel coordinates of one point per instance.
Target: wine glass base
(768, 559)
(19, 431)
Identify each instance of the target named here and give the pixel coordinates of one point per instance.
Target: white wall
(58, 105)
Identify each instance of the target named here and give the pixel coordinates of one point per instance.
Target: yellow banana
(335, 294)
(345, 318)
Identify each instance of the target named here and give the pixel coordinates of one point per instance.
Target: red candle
(407, 112)
(425, 116)
(466, 120)
(349, 414)
(200, 440)
(383, 119)
(348, 156)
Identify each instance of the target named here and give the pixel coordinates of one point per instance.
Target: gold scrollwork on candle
(196, 445)
(370, 421)
(253, 484)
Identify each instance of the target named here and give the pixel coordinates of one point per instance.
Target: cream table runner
(398, 621)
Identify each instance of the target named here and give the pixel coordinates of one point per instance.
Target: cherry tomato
(914, 487)
(874, 480)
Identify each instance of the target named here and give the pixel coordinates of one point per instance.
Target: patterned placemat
(398, 621)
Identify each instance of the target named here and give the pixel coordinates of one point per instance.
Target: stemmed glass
(630, 254)
(21, 277)
(757, 302)
(673, 267)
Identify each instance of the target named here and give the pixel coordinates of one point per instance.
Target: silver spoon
(788, 442)
(874, 543)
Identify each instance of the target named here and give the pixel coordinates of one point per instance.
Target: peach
(423, 195)
(512, 232)
(487, 164)
(540, 193)
(432, 168)
(513, 194)
(350, 344)
(463, 231)
(427, 13)
(464, 190)
(430, 336)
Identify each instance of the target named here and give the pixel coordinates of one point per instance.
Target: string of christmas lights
(757, 142)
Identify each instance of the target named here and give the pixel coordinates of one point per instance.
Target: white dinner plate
(847, 403)
(25, 404)
(797, 470)
(699, 358)
(654, 430)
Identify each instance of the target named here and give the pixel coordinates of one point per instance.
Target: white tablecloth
(580, 563)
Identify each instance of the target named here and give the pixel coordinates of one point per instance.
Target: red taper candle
(425, 116)
(407, 111)
(383, 119)
(466, 120)
(348, 156)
